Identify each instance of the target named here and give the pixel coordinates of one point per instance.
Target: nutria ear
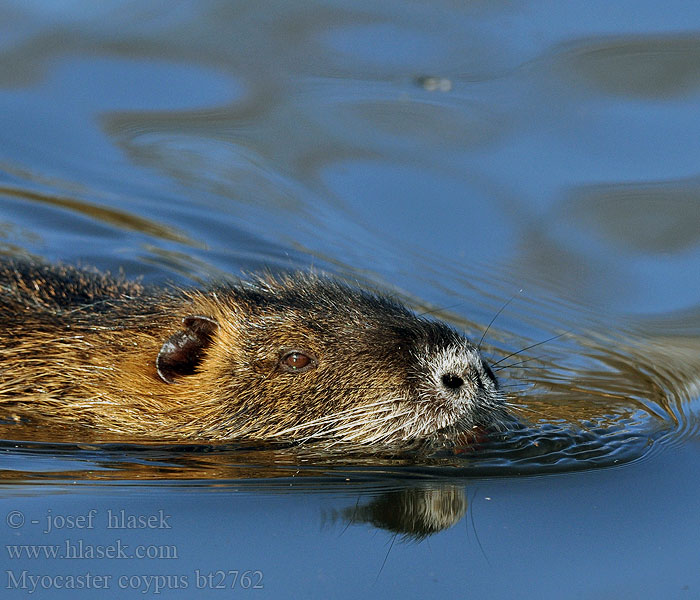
(183, 351)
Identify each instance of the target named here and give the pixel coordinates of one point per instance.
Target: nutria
(286, 358)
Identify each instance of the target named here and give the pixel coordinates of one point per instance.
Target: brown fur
(80, 347)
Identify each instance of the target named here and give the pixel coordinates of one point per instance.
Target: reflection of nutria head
(413, 513)
(293, 358)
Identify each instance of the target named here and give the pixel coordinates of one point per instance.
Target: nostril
(451, 381)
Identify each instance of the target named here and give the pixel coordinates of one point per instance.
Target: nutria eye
(296, 361)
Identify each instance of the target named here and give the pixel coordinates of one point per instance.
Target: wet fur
(77, 346)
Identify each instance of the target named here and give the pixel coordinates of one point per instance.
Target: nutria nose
(452, 381)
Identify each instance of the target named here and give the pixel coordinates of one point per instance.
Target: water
(461, 155)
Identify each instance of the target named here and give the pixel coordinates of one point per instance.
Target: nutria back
(292, 358)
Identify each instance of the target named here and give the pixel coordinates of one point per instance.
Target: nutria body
(294, 358)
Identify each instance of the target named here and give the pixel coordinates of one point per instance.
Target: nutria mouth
(292, 358)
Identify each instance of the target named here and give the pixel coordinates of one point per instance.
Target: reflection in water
(623, 247)
(102, 214)
(413, 513)
(656, 217)
(641, 66)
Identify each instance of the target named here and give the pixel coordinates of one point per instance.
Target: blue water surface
(460, 155)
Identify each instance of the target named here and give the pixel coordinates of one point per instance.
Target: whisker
(491, 322)
(348, 412)
(368, 412)
(504, 367)
(380, 434)
(383, 435)
(517, 364)
(370, 417)
(498, 362)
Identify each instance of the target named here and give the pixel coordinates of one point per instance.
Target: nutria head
(307, 357)
(294, 358)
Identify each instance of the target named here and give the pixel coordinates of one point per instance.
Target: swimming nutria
(289, 359)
